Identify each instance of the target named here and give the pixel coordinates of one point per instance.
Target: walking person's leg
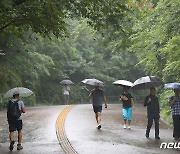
(156, 121)
(124, 110)
(178, 127)
(11, 137)
(19, 146)
(12, 128)
(176, 123)
(149, 125)
(97, 110)
(98, 118)
(19, 128)
(67, 99)
(129, 117)
(64, 99)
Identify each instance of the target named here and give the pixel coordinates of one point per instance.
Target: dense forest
(45, 41)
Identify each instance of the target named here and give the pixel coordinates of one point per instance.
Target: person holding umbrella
(128, 103)
(153, 112)
(15, 107)
(151, 101)
(175, 109)
(97, 96)
(15, 120)
(66, 91)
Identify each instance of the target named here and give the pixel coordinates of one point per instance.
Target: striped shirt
(175, 108)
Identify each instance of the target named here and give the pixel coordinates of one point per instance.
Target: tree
(50, 16)
(156, 42)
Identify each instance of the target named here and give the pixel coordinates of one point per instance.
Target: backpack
(13, 112)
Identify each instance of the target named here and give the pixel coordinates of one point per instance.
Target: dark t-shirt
(97, 97)
(127, 103)
(153, 105)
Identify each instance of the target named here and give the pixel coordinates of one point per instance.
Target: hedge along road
(76, 132)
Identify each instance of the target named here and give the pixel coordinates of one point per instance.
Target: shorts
(127, 113)
(15, 125)
(97, 109)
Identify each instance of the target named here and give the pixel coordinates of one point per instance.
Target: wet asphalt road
(112, 138)
(39, 132)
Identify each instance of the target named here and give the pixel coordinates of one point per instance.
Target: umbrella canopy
(147, 82)
(172, 85)
(93, 82)
(66, 82)
(23, 92)
(123, 83)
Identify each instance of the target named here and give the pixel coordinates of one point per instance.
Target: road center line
(61, 133)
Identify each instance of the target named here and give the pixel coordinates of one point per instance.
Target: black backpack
(13, 112)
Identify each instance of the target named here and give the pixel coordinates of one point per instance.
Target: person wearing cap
(153, 112)
(175, 110)
(128, 105)
(15, 124)
(97, 96)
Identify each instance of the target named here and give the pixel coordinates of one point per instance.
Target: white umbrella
(23, 92)
(147, 82)
(66, 82)
(123, 83)
(93, 82)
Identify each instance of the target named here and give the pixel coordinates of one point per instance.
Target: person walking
(97, 96)
(66, 90)
(153, 112)
(175, 109)
(128, 104)
(14, 109)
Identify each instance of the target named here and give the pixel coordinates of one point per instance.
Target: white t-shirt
(66, 90)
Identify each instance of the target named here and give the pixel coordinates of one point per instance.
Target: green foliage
(156, 43)
(41, 63)
(50, 16)
(165, 108)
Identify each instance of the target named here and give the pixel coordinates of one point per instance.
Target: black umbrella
(146, 83)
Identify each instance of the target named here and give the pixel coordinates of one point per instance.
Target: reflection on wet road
(112, 138)
(39, 132)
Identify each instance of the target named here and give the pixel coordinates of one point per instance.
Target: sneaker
(99, 127)
(19, 147)
(157, 137)
(11, 145)
(129, 127)
(124, 126)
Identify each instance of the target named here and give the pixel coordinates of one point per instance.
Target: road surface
(74, 127)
